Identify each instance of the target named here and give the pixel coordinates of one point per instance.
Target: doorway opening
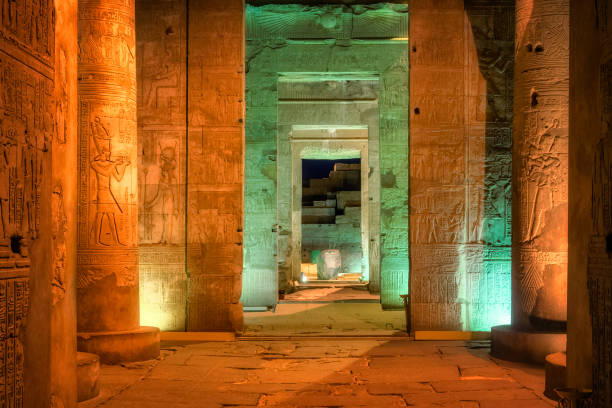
(333, 267)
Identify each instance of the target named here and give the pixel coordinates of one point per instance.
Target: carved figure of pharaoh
(108, 210)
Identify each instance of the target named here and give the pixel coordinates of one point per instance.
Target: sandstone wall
(190, 154)
(37, 195)
(162, 74)
(215, 169)
(324, 40)
(460, 163)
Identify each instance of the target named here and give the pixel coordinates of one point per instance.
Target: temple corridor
(322, 372)
(164, 241)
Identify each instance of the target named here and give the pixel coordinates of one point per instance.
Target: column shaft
(539, 184)
(540, 165)
(108, 299)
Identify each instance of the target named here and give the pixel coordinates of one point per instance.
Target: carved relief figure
(159, 198)
(30, 183)
(542, 176)
(108, 210)
(124, 53)
(166, 77)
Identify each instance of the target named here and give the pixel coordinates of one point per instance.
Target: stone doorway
(329, 69)
(314, 236)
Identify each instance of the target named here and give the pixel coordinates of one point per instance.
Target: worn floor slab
(323, 372)
(322, 319)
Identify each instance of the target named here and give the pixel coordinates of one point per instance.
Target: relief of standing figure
(108, 209)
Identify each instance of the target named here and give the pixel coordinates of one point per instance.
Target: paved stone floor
(323, 372)
(325, 319)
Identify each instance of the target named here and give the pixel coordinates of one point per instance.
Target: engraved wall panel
(460, 164)
(215, 168)
(27, 129)
(161, 45)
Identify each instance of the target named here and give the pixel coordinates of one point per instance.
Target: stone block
(117, 347)
(511, 344)
(87, 371)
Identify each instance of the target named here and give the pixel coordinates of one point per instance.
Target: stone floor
(323, 372)
(325, 318)
(333, 293)
(333, 319)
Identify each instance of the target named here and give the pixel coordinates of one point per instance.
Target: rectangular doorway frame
(330, 142)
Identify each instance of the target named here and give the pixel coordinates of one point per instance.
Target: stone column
(108, 318)
(539, 183)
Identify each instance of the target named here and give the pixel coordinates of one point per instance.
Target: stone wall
(161, 66)
(190, 154)
(461, 137)
(215, 169)
(325, 40)
(37, 210)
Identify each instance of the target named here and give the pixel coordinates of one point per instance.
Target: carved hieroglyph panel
(29, 26)
(215, 165)
(27, 51)
(327, 21)
(541, 104)
(460, 167)
(108, 194)
(162, 75)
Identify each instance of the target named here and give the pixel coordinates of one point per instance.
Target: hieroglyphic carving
(58, 231)
(540, 160)
(214, 204)
(27, 126)
(28, 25)
(107, 213)
(460, 165)
(162, 75)
(160, 197)
(329, 21)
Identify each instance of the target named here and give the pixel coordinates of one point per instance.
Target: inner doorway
(333, 233)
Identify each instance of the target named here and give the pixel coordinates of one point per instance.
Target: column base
(126, 346)
(556, 367)
(88, 370)
(508, 343)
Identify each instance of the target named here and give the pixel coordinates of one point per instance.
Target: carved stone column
(539, 183)
(108, 300)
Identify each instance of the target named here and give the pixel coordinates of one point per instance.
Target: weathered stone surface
(36, 241)
(108, 290)
(540, 165)
(162, 78)
(214, 196)
(88, 371)
(64, 206)
(300, 99)
(460, 118)
(108, 213)
(325, 372)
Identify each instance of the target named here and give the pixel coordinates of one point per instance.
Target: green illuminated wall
(292, 39)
